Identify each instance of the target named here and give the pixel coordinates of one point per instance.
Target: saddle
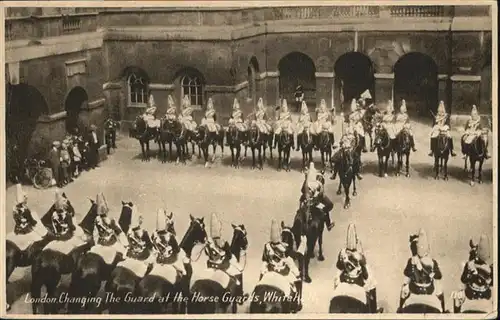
(66, 246)
(165, 271)
(214, 275)
(276, 280)
(477, 305)
(350, 290)
(107, 253)
(23, 241)
(139, 268)
(430, 300)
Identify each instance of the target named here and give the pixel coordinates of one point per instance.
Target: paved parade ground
(385, 211)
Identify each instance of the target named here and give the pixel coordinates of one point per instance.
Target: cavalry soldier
(440, 125)
(313, 187)
(274, 259)
(304, 123)
(110, 126)
(210, 118)
(171, 114)
(221, 258)
(260, 118)
(422, 273)
(149, 114)
(26, 221)
(403, 123)
(353, 268)
(139, 242)
(473, 130)
(237, 117)
(186, 116)
(323, 122)
(107, 232)
(355, 119)
(299, 97)
(62, 220)
(284, 122)
(387, 122)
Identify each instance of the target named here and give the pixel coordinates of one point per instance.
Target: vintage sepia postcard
(196, 159)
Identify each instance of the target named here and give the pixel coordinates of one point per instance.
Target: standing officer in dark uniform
(110, 127)
(299, 97)
(93, 147)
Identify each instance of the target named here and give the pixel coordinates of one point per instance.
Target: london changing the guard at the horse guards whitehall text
(307, 159)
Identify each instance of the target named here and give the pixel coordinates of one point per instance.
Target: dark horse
(50, 265)
(306, 144)
(156, 287)
(285, 144)
(367, 121)
(476, 153)
(207, 138)
(91, 270)
(347, 167)
(403, 148)
(257, 142)
(441, 155)
(172, 132)
(325, 144)
(234, 139)
(206, 288)
(385, 149)
(142, 132)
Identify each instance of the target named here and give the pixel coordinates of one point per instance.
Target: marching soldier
(110, 126)
(304, 123)
(422, 273)
(62, 220)
(323, 122)
(260, 118)
(186, 116)
(314, 187)
(403, 123)
(274, 259)
(473, 130)
(221, 258)
(355, 119)
(440, 125)
(237, 117)
(353, 268)
(171, 114)
(284, 122)
(210, 118)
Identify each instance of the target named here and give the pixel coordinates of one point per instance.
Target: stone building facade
(84, 64)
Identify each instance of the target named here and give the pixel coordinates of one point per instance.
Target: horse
(385, 149)
(164, 281)
(367, 121)
(441, 155)
(205, 138)
(144, 133)
(273, 285)
(52, 263)
(110, 138)
(92, 269)
(172, 132)
(421, 303)
(476, 153)
(210, 287)
(285, 142)
(306, 144)
(347, 167)
(325, 145)
(256, 141)
(403, 150)
(349, 298)
(234, 139)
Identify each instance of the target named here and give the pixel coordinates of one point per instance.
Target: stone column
(384, 88)
(160, 92)
(324, 88)
(272, 94)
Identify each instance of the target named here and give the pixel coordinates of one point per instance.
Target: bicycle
(38, 173)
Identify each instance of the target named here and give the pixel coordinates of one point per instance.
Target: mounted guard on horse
(261, 118)
(477, 280)
(149, 116)
(303, 124)
(440, 127)
(474, 130)
(402, 122)
(386, 122)
(422, 277)
(278, 268)
(186, 116)
(353, 270)
(210, 119)
(356, 121)
(236, 119)
(283, 123)
(324, 122)
(171, 114)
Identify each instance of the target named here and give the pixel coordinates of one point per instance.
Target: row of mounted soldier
(134, 264)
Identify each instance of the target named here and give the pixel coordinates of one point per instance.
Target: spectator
(93, 147)
(55, 163)
(65, 163)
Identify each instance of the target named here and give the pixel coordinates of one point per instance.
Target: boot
(486, 154)
(441, 299)
(299, 138)
(433, 146)
(412, 144)
(453, 154)
(239, 290)
(328, 221)
(372, 302)
(401, 303)
(298, 302)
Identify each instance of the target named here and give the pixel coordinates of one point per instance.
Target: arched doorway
(73, 105)
(354, 73)
(24, 106)
(297, 69)
(416, 81)
(252, 72)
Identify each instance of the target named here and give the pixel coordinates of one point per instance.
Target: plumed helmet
(152, 101)
(352, 238)
(186, 102)
(56, 144)
(102, 205)
(326, 125)
(423, 247)
(354, 105)
(441, 109)
(136, 217)
(275, 232)
(484, 249)
(366, 95)
(474, 112)
(215, 226)
(322, 103)
(210, 104)
(260, 103)
(60, 201)
(403, 106)
(284, 106)
(171, 102)
(161, 217)
(21, 196)
(236, 104)
(303, 108)
(298, 87)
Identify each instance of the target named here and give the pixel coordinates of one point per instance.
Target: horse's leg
(253, 156)
(238, 155)
(339, 190)
(354, 191)
(445, 167)
(386, 163)
(232, 156)
(143, 150)
(436, 167)
(473, 171)
(465, 163)
(287, 163)
(245, 153)
(321, 257)
(480, 171)
(380, 165)
(307, 260)
(279, 158)
(260, 157)
(408, 164)
(347, 201)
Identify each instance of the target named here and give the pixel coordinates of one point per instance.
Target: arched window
(138, 90)
(192, 87)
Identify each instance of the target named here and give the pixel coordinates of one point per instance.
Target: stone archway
(296, 69)
(252, 73)
(354, 73)
(416, 81)
(73, 106)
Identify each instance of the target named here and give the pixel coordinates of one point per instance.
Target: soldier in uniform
(111, 126)
(149, 114)
(65, 163)
(237, 117)
(62, 220)
(210, 118)
(353, 269)
(303, 124)
(274, 259)
(25, 220)
(355, 119)
(55, 163)
(186, 116)
(323, 122)
(440, 125)
(387, 122)
(473, 130)
(107, 232)
(221, 258)
(139, 243)
(171, 114)
(403, 123)
(260, 118)
(284, 123)
(422, 273)
(299, 97)
(313, 187)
